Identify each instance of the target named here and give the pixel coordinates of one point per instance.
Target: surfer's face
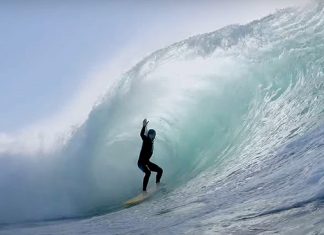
(151, 136)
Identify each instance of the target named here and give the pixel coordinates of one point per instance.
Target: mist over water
(239, 117)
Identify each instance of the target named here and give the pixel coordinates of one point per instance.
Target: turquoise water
(239, 115)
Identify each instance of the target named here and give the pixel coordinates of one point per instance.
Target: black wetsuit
(144, 160)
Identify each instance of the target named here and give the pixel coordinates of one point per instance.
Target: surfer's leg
(146, 179)
(156, 168)
(147, 172)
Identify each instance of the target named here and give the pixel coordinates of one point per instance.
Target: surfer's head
(151, 134)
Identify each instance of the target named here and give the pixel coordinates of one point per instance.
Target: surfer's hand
(145, 122)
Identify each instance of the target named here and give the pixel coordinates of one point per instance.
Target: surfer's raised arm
(145, 122)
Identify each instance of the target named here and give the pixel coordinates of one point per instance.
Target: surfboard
(141, 197)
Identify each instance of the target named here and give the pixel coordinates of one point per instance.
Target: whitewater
(239, 115)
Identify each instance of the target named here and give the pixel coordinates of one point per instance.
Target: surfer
(146, 152)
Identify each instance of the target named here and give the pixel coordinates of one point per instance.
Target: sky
(57, 57)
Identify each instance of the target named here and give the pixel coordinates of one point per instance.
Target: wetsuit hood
(151, 134)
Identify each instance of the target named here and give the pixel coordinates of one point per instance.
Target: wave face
(239, 117)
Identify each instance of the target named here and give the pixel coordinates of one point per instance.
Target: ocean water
(239, 115)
